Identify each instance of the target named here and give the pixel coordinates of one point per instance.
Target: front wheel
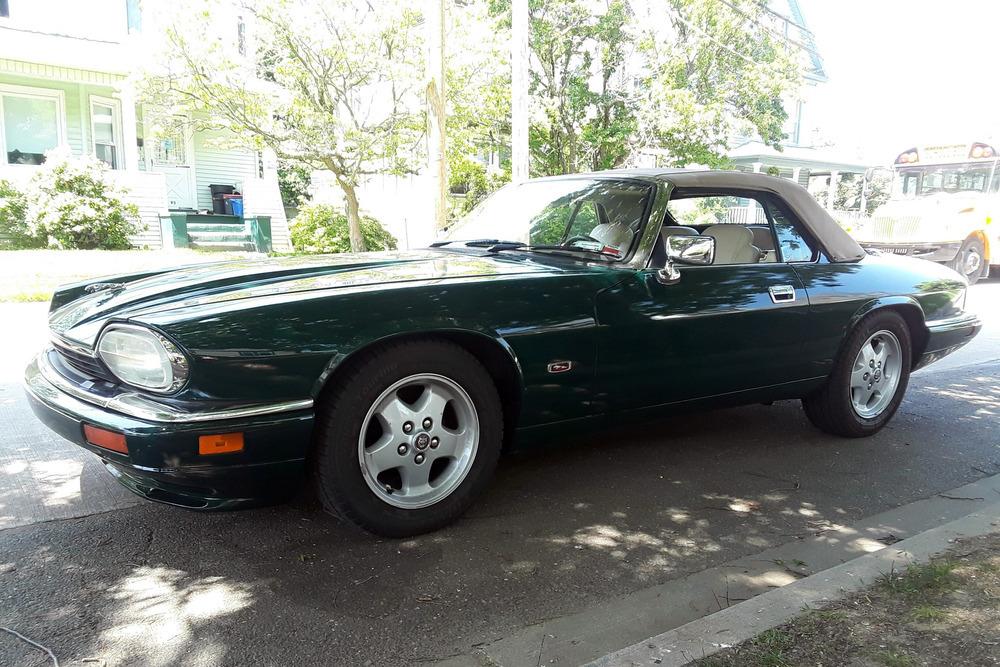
(970, 259)
(409, 439)
(868, 380)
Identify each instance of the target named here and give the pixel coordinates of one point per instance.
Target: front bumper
(946, 336)
(163, 462)
(935, 252)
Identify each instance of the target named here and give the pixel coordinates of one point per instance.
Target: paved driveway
(561, 528)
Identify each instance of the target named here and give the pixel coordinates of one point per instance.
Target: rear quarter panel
(841, 294)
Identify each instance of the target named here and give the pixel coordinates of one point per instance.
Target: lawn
(945, 612)
(32, 275)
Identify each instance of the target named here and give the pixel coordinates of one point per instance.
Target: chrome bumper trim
(45, 384)
(961, 321)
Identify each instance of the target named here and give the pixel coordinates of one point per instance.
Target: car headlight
(142, 358)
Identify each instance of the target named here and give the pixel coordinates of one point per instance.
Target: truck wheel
(970, 259)
(868, 380)
(408, 440)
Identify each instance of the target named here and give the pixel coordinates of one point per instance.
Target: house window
(105, 123)
(133, 16)
(31, 123)
(4, 9)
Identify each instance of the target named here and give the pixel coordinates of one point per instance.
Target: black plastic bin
(218, 197)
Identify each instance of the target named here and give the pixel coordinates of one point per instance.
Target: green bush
(321, 228)
(14, 230)
(73, 206)
(470, 179)
(67, 204)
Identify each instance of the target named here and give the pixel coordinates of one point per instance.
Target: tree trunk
(353, 217)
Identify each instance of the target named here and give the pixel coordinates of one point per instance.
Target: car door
(723, 328)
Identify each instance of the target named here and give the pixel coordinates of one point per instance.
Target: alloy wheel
(875, 374)
(418, 441)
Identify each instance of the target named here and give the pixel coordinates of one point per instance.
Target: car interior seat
(658, 259)
(615, 235)
(733, 244)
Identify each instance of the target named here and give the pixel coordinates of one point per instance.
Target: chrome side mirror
(695, 250)
(691, 250)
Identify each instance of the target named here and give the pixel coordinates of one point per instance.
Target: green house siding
(76, 98)
(222, 166)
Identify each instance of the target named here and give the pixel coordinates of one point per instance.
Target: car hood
(81, 320)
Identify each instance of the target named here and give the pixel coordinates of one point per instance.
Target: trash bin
(234, 205)
(218, 193)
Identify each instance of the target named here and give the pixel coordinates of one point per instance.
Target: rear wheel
(970, 259)
(868, 380)
(409, 439)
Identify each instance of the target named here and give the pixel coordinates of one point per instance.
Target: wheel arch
(911, 312)
(495, 354)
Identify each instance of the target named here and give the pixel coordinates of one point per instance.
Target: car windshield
(579, 214)
(958, 179)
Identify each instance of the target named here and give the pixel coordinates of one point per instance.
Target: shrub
(322, 228)
(73, 206)
(14, 230)
(471, 179)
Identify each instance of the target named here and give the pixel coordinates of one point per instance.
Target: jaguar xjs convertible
(392, 382)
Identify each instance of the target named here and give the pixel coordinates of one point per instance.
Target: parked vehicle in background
(944, 206)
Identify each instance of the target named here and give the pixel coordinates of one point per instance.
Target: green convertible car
(392, 382)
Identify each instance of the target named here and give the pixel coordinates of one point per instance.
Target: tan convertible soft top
(839, 246)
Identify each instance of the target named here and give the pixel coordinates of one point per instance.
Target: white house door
(170, 158)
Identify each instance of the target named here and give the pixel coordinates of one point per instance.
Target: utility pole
(437, 160)
(519, 91)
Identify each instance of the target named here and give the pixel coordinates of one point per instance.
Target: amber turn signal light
(221, 443)
(105, 439)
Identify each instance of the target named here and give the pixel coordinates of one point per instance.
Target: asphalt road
(90, 573)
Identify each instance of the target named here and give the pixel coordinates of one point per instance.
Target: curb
(742, 621)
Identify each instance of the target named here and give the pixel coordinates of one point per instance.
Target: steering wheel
(580, 237)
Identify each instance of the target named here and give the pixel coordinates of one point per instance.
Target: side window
(738, 223)
(793, 244)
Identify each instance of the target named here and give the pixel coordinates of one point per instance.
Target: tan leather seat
(733, 244)
(615, 235)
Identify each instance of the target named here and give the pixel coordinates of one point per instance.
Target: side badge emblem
(560, 366)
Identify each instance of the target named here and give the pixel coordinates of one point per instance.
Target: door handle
(782, 293)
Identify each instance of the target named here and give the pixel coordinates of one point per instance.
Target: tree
(712, 70)
(848, 197)
(478, 102)
(334, 85)
(581, 116)
(294, 180)
(683, 77)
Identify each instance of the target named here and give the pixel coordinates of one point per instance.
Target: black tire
(336, 471)
(830, 408)
(972, 246)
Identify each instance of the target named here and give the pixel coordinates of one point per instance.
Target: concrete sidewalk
(743, 621)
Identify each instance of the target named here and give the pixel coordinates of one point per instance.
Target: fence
(882, 228)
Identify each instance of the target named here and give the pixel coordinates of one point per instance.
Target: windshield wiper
(572, 248)
(472, 243)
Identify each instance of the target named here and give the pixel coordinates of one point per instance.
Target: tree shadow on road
(562, 527)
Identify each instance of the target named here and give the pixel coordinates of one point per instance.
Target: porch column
(757, 167)
(831, 193)
(796, 173)
(130, 148)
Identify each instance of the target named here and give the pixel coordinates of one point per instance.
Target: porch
(91, 112)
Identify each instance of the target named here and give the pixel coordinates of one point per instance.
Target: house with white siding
(66, 72)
